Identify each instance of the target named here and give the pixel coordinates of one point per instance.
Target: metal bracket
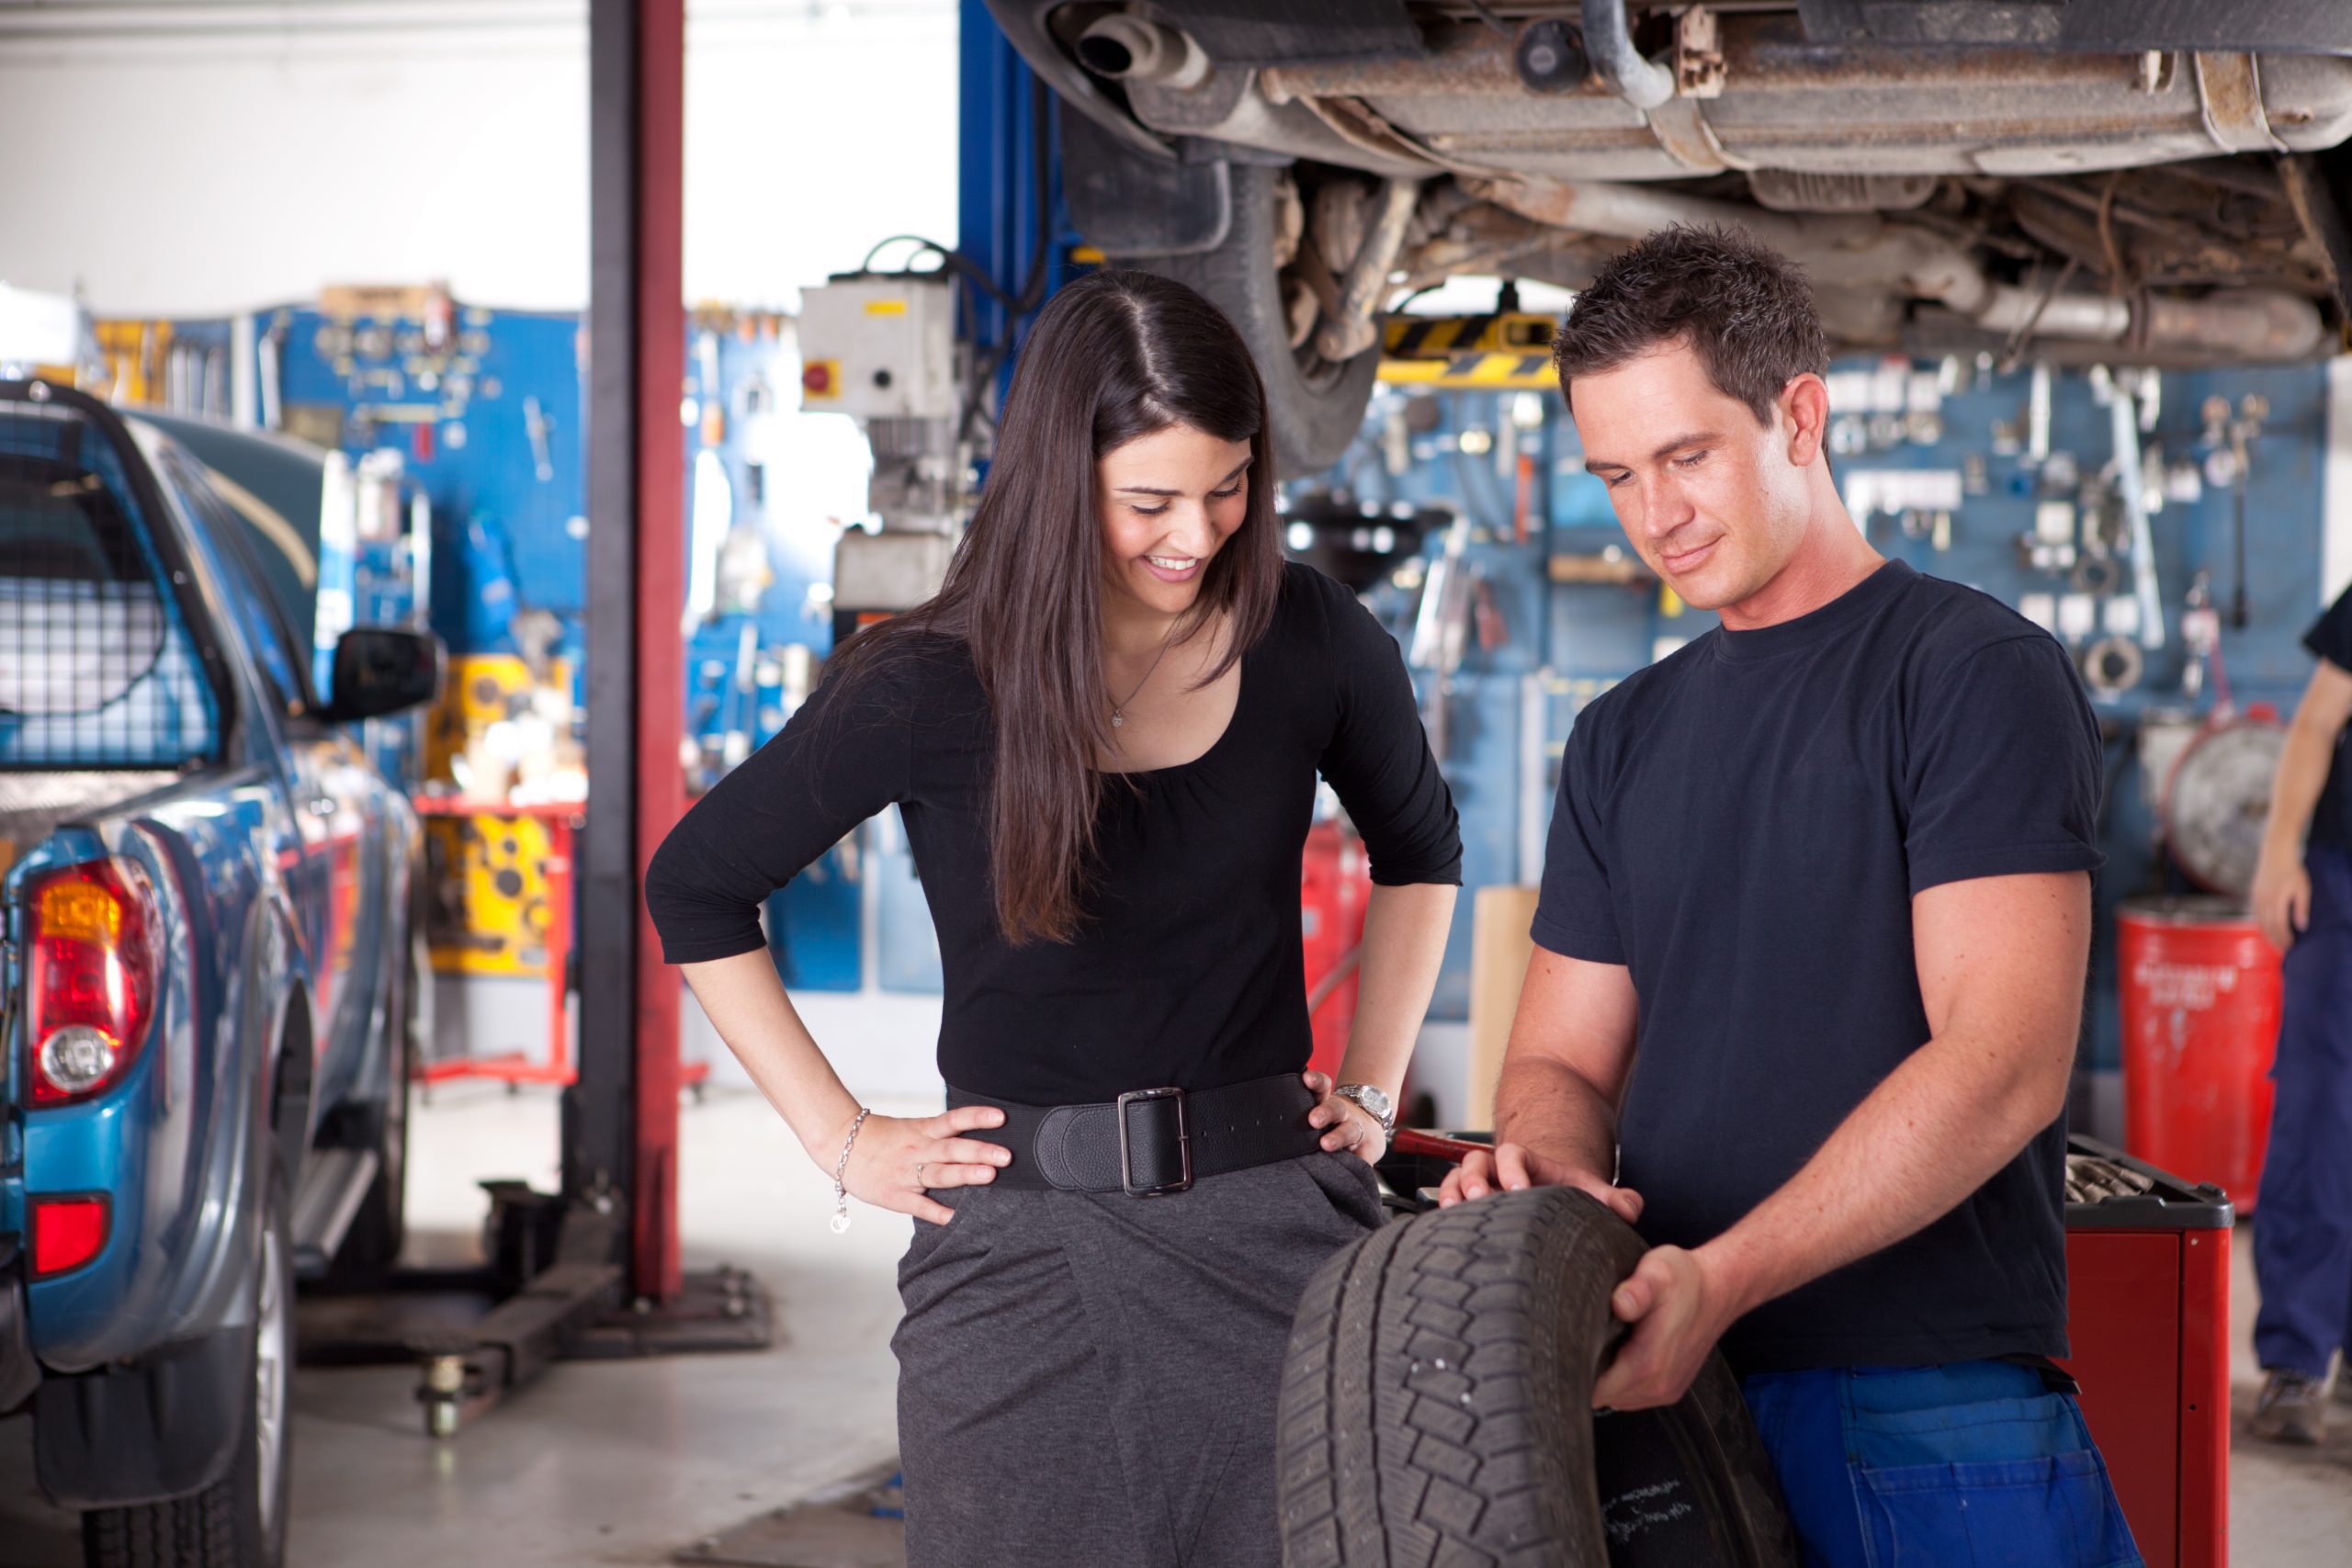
(2229, 96)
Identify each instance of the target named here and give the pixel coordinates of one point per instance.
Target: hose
(1609, 42)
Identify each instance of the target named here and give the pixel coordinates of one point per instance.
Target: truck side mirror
(383, 669)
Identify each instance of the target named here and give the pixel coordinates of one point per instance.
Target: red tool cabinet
(2148, 1316)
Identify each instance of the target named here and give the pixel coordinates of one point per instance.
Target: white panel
(1441, 1065)
(1872, 491)
(2335, 484)
(38, 329)
(233, 159)
(885, 1045)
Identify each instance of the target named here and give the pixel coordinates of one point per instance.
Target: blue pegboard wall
(765, 617)
(1572, 640)
(486, 419)
(483, 410)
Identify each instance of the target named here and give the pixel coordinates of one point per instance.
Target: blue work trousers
(1974, 1464)
(2302, 1218)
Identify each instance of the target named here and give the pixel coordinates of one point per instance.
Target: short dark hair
(1744, 307)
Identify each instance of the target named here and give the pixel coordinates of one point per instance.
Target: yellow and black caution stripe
(1511, 349)
(1529, 370)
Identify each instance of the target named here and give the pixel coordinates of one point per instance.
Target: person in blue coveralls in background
(2302, 898)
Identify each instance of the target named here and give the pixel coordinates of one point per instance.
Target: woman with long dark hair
(1103, 734)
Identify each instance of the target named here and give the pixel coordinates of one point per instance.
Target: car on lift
(209, 989)
(2087, 181)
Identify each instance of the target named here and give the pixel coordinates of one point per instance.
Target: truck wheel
(372, 1245)
(1436, 1406)
(239, 1521)
(1314, 408)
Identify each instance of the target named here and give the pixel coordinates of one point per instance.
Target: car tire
(1314, 408)
(1436, 1406)
(239, 1521)
(372, 1246)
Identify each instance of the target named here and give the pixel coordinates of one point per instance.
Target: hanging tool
(2037, 418)
(535, 424)
(1441, 628)
(2252, 409)
(1486, 613)
(269, 354)
(2200, 634)
(2124, 420)
(2237, 553)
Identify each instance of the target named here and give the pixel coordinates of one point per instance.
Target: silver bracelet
(840, 1167)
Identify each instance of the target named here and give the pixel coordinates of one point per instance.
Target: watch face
(1372, 1099)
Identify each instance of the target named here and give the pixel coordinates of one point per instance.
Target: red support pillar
(660, 604)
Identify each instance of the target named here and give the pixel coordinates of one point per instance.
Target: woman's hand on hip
(896, 1159)
(1347, 1127)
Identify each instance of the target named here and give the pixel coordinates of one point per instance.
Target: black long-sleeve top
(1188, 969)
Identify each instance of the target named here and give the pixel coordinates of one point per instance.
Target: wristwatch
(1373, 1101)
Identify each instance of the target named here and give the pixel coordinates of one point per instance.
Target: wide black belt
(1151, 1141)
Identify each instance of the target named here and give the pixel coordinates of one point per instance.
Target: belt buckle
(1183, 1144)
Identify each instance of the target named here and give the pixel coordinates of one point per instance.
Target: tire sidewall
(265, 1529)
(391, 1150)
(1310, 424)
(371, 1248)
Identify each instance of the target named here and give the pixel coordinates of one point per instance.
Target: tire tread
(1435, 1405)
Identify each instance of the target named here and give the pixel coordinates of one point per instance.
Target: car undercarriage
(2155, 185)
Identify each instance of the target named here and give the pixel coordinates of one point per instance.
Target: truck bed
(33, 803)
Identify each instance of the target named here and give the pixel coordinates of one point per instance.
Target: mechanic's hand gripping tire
(1436, 1407)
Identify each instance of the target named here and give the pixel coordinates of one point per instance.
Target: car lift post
(1007, 164)
(620, 1198)
(594, 1271)
(620, 1119)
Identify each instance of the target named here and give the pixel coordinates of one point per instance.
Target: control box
(881, 347)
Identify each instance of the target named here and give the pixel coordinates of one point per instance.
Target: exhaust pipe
(1609, 43)
(1866, 251)
(1126, 48)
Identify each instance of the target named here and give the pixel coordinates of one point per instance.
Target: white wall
(204, 157)
(2335, 484)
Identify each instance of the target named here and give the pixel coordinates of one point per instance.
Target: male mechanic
(2302, 896)
(1810, 955)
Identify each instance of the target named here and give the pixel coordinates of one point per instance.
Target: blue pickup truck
(209, 988)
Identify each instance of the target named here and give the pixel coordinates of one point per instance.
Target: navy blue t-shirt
(1743, 825)
(2331, 639)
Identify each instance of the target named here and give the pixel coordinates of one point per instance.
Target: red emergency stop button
(821, 378)
(67, 1232)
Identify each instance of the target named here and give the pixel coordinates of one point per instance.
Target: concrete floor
(2289, 1507)
(627, 1462)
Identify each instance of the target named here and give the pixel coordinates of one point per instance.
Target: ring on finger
(919, 1165)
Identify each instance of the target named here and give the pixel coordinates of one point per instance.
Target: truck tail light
(95, 972)
(67, 1232)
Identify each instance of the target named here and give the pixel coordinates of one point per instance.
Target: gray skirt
(1088, 1379)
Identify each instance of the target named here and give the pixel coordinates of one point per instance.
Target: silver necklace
(1119, 710)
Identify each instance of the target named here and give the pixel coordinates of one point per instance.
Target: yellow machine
(488, 909)
(495, 872)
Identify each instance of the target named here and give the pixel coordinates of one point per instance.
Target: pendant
(841, 1223)
(1117, 718)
